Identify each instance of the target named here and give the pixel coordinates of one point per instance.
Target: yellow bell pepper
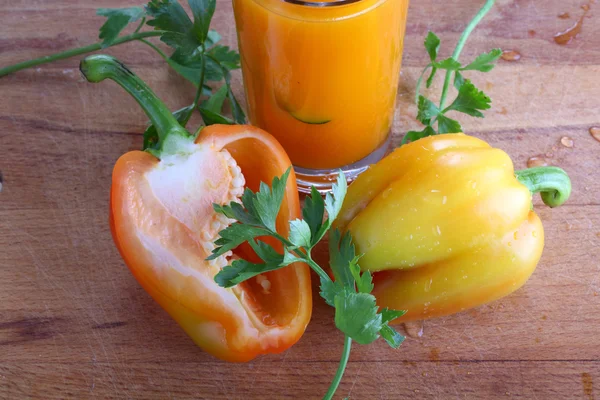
(445, 224)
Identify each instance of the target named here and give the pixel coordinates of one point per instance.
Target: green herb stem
(141, 25)
(306, 257)
(200, 81)
(155, 48)
(75, 52)
(341, 368)
(461, 43)
(315, 267)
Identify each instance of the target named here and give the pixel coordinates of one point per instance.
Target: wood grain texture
(74, 324)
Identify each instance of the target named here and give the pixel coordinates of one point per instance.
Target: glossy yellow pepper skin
(445, 224)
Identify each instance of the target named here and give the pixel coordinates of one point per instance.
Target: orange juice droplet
(511, 55)
(595, 132)
(564, 15)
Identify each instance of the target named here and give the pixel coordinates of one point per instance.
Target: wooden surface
(74, 324)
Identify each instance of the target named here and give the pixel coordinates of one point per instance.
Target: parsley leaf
(334, 199)
(341, 254)
(241, 270)
(356, 315)
(416, 135)
(470, 100)
(391, 336)
(459, 80)
(211, 118)
(427, 110)
(432, 45)
(229, 59)
(238, 114)
(448, 125)
(448, 64)
(300, 235)
(117, 20)
(170, 17)
(364, 281)
(313, 212)
(330, 289)
(257, 220)
(484, 62)
(233, 236)
(431, 76)
(267, 201)
(203, 11)
(388, 315)
(215, 102)
(212, 38)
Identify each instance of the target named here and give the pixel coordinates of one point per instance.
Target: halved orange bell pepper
(446, 224)
(164, 226)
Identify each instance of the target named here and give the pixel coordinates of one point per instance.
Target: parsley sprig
(356, 311)
(469, 100)
(197, 54)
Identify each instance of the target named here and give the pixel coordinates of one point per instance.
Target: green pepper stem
(341, 368)
(75, 52)
(461, 43)
(552, 183)
(98, 67)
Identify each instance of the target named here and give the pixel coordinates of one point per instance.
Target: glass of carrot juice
(322, 78)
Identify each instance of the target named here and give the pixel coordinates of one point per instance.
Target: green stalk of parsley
(469, 100)
(356, 311)
(197, 54)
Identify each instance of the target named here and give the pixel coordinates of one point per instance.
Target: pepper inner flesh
(186, 185)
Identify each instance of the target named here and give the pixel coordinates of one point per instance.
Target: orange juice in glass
(322, 78)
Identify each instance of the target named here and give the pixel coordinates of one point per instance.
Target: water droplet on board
(595, 132)
(537, 161)
(567, 142)
(414, 329)
(565, 37)
(564, 15)
(511, 55)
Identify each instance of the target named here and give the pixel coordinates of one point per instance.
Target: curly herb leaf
(117, 20)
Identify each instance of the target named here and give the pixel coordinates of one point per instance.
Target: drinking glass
(322, 78)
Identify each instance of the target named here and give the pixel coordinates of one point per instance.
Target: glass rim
(321, 4)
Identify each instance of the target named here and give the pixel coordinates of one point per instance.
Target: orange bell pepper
(446, 224)
(164, 225)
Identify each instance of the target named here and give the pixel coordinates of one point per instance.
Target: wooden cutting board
(74, 324)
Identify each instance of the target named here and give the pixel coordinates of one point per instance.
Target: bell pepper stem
(98, 67)
(341, 368)
(552, 183)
